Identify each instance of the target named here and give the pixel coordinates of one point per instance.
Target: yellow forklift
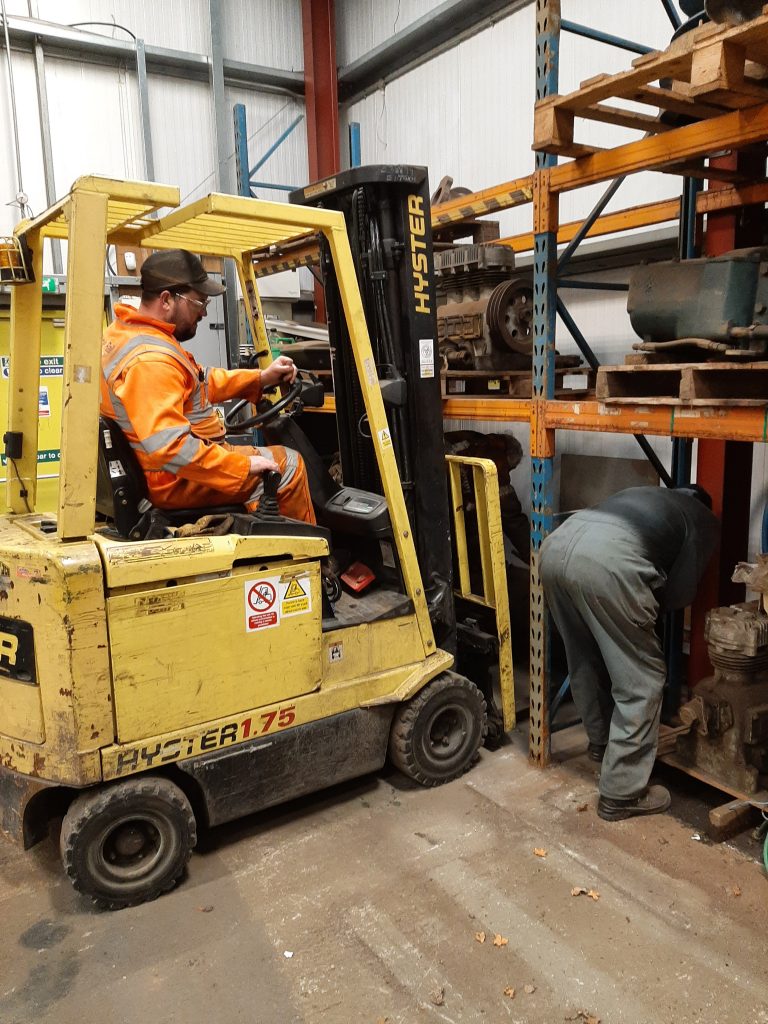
(152, 682)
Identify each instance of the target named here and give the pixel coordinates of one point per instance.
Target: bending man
(607, 571)
(163, 400)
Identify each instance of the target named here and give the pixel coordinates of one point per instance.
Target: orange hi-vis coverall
(162, 400)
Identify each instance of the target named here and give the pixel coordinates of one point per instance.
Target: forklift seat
(122, 497)
(121, 488)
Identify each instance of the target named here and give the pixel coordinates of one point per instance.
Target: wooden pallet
(510, 383)
(713, 69)
(725, 384)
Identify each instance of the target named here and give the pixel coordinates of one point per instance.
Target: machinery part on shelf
(484, 314)
(756, 350)
(128, 843)
(733, 12)
(445, 191)
(510, 316)
(719, 304)
(728, 713)
(436, 735)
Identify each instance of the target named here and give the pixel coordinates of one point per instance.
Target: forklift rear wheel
(436, 735)
(128, 843)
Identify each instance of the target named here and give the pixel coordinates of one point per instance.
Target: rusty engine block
(728, 714)
(484, 312)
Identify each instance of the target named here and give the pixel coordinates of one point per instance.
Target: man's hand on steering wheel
(282, 370)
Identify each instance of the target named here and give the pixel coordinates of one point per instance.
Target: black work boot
(596, 751)
(655, 800)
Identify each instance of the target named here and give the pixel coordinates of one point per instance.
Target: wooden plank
(553, 131)
(731, 818)
(759, 800)
(742, 41)
(719, 73)
(624, 118)
(677, 384)
(650, 69)
(638, 383)
(712, 68)
(715, 383)
(674, 102)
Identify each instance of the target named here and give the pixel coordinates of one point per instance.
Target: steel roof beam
(439, 29)
(61, 41)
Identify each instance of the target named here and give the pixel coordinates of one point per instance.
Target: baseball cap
(177, 268)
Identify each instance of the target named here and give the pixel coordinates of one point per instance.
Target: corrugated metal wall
(94, 111)
(362, 25)
(467, 113)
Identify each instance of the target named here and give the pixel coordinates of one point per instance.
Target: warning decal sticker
(268, 600)
(295, 598)
(262, 610)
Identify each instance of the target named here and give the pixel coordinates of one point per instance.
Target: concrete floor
(377, 890)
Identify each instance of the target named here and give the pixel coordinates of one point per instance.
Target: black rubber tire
(436, 735)
(100, 833)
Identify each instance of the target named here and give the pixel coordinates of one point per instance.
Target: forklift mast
(387, 215)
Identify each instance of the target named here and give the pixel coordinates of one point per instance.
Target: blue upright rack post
(544, 320)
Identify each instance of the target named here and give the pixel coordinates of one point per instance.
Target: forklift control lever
(268, 510)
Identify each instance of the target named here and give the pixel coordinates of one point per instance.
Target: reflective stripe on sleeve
(162, 439)
(184, 457)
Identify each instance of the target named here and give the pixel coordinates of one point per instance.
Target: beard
(185, 333)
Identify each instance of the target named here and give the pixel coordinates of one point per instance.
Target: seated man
(162, 399)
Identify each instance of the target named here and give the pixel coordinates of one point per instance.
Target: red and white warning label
(269, 600)
(262, 610)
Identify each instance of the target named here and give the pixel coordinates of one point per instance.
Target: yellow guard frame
(100, 212)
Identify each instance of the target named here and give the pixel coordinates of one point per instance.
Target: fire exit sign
(50, 284)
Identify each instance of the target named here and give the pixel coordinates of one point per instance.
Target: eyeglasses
(191, 301)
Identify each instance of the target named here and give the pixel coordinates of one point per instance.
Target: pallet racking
(713, 67)
(718, 89)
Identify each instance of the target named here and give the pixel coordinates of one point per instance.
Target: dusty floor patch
(379, 890)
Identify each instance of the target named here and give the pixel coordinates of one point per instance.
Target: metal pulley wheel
(510, 316)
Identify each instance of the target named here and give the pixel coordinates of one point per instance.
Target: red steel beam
(724, 468)
(321, 87)
(321, 96)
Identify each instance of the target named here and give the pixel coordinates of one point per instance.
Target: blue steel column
(542, 449)
(355, 158)
(242, 166)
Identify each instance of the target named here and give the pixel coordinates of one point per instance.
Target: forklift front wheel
(128, 843)
(436, 735)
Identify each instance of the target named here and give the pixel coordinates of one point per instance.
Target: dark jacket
(676, 531)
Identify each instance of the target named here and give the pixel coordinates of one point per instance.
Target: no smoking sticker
(262, 610)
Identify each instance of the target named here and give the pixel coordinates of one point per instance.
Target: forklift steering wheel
(262, 418)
